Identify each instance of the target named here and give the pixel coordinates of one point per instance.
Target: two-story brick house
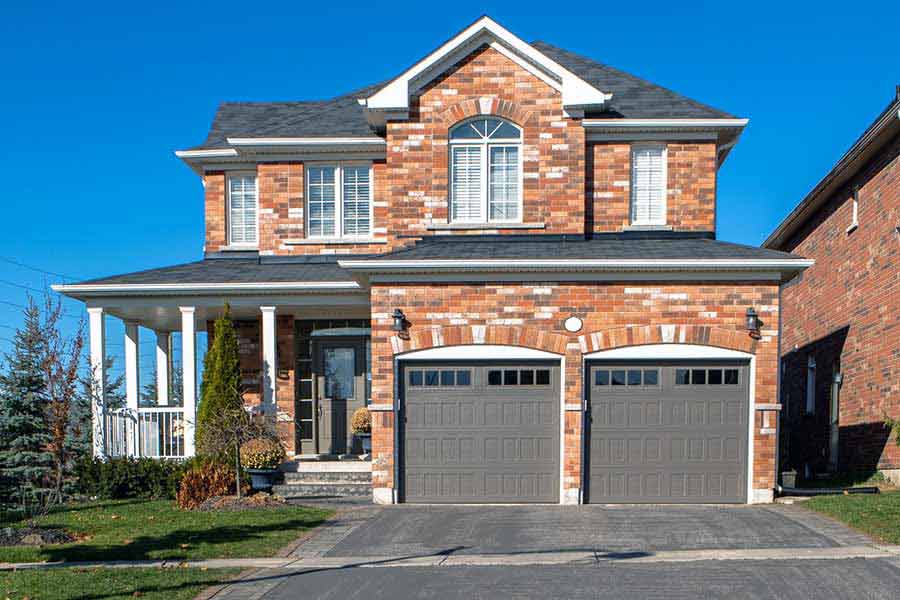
(841, 318)
(508, 253)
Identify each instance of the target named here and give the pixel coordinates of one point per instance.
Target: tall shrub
(220, 393)
(25, 463)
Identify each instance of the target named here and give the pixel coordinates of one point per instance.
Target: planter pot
(261, 480)
(366, 441)
(789, 479)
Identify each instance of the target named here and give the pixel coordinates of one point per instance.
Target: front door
(340, 390)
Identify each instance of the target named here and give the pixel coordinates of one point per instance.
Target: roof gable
(393, 98)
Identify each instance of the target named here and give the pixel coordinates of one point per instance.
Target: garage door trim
(671, 353)
(481, 355)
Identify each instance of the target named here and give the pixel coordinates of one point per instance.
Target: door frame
(668, 353)
(318, 344)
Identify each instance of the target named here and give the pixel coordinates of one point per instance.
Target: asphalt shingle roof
(236, 270)
(621, 246)
(633, 98)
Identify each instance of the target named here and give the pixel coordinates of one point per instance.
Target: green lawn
(877, 515)
(107, 584)
(158, 529)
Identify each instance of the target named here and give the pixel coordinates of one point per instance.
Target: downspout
(395, 487)
(778, 488)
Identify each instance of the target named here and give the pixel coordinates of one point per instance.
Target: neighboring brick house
(841, 318)
(508, 252)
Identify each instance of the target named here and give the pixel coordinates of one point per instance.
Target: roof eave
(90, 290)
(882, 130)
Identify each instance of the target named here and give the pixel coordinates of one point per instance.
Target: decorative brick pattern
(532, 315)
(845, 312)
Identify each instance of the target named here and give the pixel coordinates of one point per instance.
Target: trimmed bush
(262, 453)
(117, 478)
(205, 481)
(361, 422)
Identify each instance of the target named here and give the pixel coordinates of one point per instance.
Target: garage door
(667, 432)
(480, 432)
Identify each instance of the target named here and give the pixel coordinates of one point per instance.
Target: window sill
(331, 241)
(480, 226)
(239, 249)
(640, 227)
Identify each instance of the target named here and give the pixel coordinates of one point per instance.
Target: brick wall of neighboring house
(691, 185)
(845, 312)
(250, 351)
(532, 315)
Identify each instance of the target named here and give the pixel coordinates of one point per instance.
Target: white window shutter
(465, 184)
(648, 185)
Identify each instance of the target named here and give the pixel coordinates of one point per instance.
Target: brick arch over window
(464, 335)
(702, 335)
(489, 105)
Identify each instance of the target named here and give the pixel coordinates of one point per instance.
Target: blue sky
(97, 95)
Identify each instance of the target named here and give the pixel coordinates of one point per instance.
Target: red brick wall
(214, 203)
(846, 308)
(532, 315)
(691, 184)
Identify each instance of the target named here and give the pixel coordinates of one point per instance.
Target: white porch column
(189, 376)
(132, 384)
(163, 366)
(270, 359)
(97, 337)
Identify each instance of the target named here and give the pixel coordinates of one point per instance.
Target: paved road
(857, 579)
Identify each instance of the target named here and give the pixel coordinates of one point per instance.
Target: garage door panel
(669, 441)
(482, 442)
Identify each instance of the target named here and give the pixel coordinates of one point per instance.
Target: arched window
(485, 171)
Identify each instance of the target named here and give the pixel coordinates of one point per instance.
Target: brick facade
(845, 312)
(532, 316)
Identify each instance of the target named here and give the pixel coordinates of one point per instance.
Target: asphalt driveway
(407, 530)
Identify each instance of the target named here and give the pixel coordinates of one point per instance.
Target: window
(339, 200)
(242, 204)
(631, 377)
(705, 377)
(854, 223)
(485, 171)
(648, 184)
(519, 377)
(443, 378)
(810, 385)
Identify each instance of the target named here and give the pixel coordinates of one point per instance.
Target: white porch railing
(148, 432)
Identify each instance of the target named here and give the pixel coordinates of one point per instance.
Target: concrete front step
(292, 478)
(325, 466)
(322, 489)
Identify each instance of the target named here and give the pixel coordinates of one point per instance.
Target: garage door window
(635, 378)
(440, 378)
(519, 377)
(706, 377)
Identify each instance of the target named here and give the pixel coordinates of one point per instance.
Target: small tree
(25, 463)
(220, 392)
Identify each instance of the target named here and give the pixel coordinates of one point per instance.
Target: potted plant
(261, 458)
(361, 424)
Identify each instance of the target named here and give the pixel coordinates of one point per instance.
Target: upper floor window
(242, 210)
(339, 200)
(485, 171)
(648, 184)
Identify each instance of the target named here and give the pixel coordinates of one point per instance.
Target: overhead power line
(37, 269)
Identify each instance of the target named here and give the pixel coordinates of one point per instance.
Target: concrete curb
(461, 560)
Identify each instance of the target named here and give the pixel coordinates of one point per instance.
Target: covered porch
(289, 334)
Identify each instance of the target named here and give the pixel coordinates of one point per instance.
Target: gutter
(156, 289)
(579, 265)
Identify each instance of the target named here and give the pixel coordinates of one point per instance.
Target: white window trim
(339, 201)
(233, 244)
(485, 145)
(665, 179)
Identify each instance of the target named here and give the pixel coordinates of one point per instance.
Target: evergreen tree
(25, 460)
(220, 392)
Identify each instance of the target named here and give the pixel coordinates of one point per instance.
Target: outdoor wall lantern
(753, 322)
(399, 320)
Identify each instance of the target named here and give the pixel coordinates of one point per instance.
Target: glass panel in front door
(340, 369)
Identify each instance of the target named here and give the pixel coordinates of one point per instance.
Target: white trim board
(479, 352)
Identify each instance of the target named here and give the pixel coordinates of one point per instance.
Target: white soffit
(479, 352)
(667, 352)
(576, 92)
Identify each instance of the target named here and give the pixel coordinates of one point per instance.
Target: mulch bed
(233, 503)
(33, 536)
